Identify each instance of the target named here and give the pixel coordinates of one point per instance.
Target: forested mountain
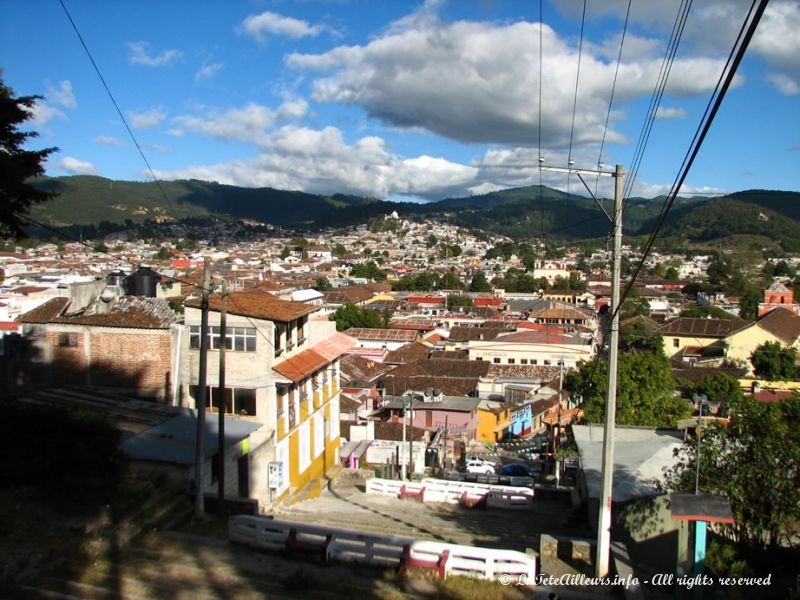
(87, 200)
(518, 213)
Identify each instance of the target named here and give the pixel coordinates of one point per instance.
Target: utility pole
(606, 496)
(199, 455)
(222, 405)
(403, 444)
(604, 518)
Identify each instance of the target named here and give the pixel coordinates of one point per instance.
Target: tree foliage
(369, 270)
(645, 391)
(479, 283)
(774, 362)
(18, 165)
(754, 461)
(350, 315)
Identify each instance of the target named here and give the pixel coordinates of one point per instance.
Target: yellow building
(779, 325)
(282, 370)
(493, 419)
(698, 337)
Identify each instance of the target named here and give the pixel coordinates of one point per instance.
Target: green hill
(519, 213)
(84, 200)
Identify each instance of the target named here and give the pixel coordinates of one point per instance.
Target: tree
(350, 315)
(368, 270)
(479, 283)
(459, 300)
(774, 362)
(645, 391)
(339, 250)
(163, 253)
(748, 305)
(322, 284)
(754, 461)
(299, 242)
(18, 165)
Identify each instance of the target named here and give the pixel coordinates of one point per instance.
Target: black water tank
(143, 282)
(116, 278)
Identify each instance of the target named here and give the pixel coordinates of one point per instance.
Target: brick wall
(127, 360)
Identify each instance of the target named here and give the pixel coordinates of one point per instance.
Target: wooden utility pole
(199, 455)
(222, 405)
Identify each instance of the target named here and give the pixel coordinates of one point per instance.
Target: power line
(723, 84)
(116, 106)
(575, 99)
(611, 98)
(658, 92)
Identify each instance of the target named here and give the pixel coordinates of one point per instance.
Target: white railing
(340, 544)
(454, 492)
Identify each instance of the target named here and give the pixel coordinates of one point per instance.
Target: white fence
(454, 492)
(340, 544)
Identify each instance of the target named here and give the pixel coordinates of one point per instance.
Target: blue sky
(402, 100)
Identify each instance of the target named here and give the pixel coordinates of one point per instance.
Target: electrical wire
(116, 106)
(570, 162)
(735, 57)
(657, 95)
(540, 158)
(611, 98)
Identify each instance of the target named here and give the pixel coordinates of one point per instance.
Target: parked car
(479, 468)
(481, 459)
(518, 470)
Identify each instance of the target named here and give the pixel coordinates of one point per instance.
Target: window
(478, 358)
(547, 363)
(278, 339)
(240, 401)
(523, 361)
(676, 343)
(511, 361)
(239, 339)
(496, 361)
(67, 340)
(301, 331)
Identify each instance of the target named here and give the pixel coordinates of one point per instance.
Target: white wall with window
(319, 433)
(334, 428)
(304, 446)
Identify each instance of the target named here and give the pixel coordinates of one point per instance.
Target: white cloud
(256, 26)
(42, 112)
(320, 161)
(63, 95)
(76, 167)
(246, 124)
(149, 118)
(784, 84)
(208, 71)
(109, 140)
(139, 55)
(670, 112)
(479, 82)
(160, 148)
(293, 109)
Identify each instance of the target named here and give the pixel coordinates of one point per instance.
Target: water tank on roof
(116, 278)
(143, 282)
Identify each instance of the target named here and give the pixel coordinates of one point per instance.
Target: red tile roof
(258, 305)
(696, 327)
(309, 361)
(301, 365)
